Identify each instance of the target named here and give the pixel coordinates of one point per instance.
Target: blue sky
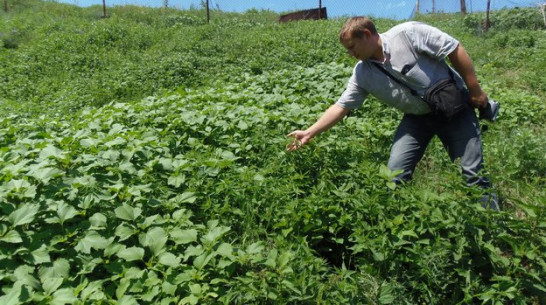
(397, 9)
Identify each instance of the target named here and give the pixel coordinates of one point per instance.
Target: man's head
(359, 36)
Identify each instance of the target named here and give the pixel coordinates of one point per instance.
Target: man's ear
(366, 33)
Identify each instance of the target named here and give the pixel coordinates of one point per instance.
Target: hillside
(142, 161)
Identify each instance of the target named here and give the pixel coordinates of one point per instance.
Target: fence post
(103, 8)
(319, 9)
(463, 6)
(208, 12)
(487, 22)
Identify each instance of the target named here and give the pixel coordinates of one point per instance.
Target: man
(411, 57)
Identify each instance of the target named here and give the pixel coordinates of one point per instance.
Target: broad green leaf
(127, 300)
(123, 231)
(51, 284)
(127, 167)
(255, 248)
(271, 260)
(176, 180)
(169, 259)
(155, 239)
(64, 296)
(25, 275)
(12, 295)
(242, 125)
(127, 212)
(225, 250)
(166, 164)
(92, 240)
(59, 269)
(17, 184)
(112, 249)
(116, 141)
(24, 214)
(228, 155)
(41, 255)
(186, 197)
(45, 174)
(93, 291)
(12, 237)
(169, 289)
(192, 300)
(66, 212)
(214, 234)
(98, 221)
(202, 260)
(51, 151)
(193, 251)
(88, 142)
(196, 289)
(183, 236)
(386, 294)
(131, 254)
(122, 287)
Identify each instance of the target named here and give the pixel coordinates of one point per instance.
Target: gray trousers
(461, 138)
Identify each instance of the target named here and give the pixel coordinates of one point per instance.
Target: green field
(143, 161)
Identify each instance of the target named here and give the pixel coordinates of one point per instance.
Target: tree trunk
(487, 22)
(463, 6)
(208, 12)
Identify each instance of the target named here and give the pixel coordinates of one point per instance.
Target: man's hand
(478, 98)
(301, 138)
(328, 119)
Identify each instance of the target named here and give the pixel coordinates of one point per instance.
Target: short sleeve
(431, 41)
(354, 95)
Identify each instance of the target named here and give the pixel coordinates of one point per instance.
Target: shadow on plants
(334, 249)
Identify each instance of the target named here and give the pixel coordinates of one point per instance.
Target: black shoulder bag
(444, 98)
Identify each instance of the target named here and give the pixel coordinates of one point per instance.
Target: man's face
(359, 48)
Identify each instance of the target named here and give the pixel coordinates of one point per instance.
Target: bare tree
(463, 6)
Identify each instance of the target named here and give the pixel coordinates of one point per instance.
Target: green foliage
(189, 197)
(503, 20)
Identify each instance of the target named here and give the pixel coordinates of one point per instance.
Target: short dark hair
(355, 27)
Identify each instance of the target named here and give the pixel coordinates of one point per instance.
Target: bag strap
(413, 92)
(382, 69)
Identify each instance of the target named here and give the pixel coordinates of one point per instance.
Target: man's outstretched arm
(328, 119)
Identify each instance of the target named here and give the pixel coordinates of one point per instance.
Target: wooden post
(319, 9)
(463, 6)
(433, 9)
(208, 12)
(103, 8)
(487, 22)
(6, 6)
(417, 7)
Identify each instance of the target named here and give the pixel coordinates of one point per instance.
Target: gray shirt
(415, 54)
